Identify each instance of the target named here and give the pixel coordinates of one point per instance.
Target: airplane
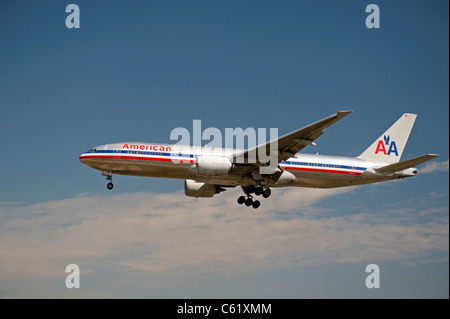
(206, 178)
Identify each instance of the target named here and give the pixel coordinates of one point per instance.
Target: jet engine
(199, 189)
(208, 165)
(287, 178)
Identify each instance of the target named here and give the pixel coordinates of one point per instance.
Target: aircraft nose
(87, 155)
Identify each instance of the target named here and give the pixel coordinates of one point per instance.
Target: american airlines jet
(209, 171)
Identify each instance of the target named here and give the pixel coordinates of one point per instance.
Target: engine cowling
(287, 178)
(208, 165)
(199, 189)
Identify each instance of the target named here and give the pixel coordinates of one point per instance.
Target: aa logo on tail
(382, 145)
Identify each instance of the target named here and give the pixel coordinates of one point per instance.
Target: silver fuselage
(175, 161)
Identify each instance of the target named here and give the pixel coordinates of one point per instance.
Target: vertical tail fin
(388, 148)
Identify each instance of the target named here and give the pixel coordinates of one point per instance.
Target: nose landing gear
(108, 175)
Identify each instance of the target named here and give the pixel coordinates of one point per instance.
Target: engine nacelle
(287, 178)
(208, 165)
(199, 189)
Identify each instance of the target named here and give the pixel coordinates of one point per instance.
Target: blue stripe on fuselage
(294, 163)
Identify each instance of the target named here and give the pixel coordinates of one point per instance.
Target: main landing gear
(258, 190)
(108, 175)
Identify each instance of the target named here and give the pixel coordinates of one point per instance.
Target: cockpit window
(92, 150)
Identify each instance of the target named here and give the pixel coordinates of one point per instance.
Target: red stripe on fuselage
(322, 170)
(173, 159)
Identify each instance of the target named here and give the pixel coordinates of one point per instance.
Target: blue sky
(136, 70)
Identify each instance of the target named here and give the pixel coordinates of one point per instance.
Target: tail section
(388, 148)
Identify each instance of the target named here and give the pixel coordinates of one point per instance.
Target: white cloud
(161, 234)
(435, 166)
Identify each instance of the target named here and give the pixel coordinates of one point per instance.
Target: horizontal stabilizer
(406, 164)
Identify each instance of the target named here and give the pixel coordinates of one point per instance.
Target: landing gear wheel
(241, 200)
(108, 175)
(250, 189)
(248, 202)
(258, 190)
(256, 204)
(267, 192)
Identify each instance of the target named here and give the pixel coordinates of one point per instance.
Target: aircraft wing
(392, 168)
(293, 142)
